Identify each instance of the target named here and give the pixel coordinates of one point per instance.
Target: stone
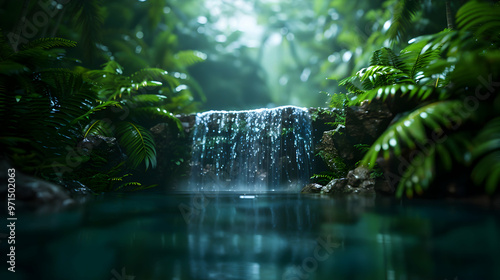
(34, 193)
(334, 184)
(363, 125)
(358, 181)
(312, 188)
(367, 122)
(104, 147)
(382, 186)
(338, 185)
(359, 177)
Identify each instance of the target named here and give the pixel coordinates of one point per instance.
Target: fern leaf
(49, 43)
(187, 58)
(138, 143)
(112, 67)
(480, 18)
(89, 17)
(148, 98)
(404, 12)
(148, 74)
(421, 170)
(487, 154)
(411, 130)
(98, 127)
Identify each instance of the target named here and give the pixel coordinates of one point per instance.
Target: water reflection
(258, 236)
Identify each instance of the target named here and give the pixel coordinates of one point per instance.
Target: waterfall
(254, 150)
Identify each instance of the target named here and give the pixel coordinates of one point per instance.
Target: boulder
(312, 188)
(357, 181)
(367, 122)
(363, 125)
(104, 147)
(34, 193)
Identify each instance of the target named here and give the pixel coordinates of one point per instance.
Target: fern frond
(487, 154)
(89, 18)
(49, 43)
(411, 130)
(411, 91)
(187, 58)
(148, 98)
(148, 74)
(381, 75)
(148, 112)
(10, 68)
(387, 57)
(98, 127)
(350, 84)
(421, 170)
(404, 12)
(138, 143)
(423, 59)
(480, 18)
(112, 67)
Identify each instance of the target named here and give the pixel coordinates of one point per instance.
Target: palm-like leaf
(89, 17)
(98, 127)
(387, 57)
(138, 143)
(49, 43)
(413, 132)
(480, 18)
(421, 170)
(148, 112)
(404, 11)
(148, 74)
(420, 93)
(187, 58)
(412, 129)
(487, 153)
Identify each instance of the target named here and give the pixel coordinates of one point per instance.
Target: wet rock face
(357, 181)
(312, 188)
(34, 193)
(363, 125)
(105, 147)
(367, 122)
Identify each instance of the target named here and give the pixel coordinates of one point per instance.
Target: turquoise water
(265, 236)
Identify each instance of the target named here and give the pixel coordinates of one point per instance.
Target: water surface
(156, 235)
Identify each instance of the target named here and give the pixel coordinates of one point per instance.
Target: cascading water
(255, 150)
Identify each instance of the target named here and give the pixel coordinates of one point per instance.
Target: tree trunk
(449, 15)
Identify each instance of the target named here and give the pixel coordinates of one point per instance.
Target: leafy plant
(41, 103)
(434, 79)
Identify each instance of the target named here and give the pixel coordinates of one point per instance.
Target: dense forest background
(72, 72)
(257, 53)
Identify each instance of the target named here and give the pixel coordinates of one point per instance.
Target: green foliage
(88, 18)
(127, 101)
(338, 168)
(486, 156)
(138, 143)
(59, 107)
(46, 103)
(391, 75)
(404, 13)
(323, 178)
(437, 78)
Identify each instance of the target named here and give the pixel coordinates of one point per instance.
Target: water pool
(154, 235)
